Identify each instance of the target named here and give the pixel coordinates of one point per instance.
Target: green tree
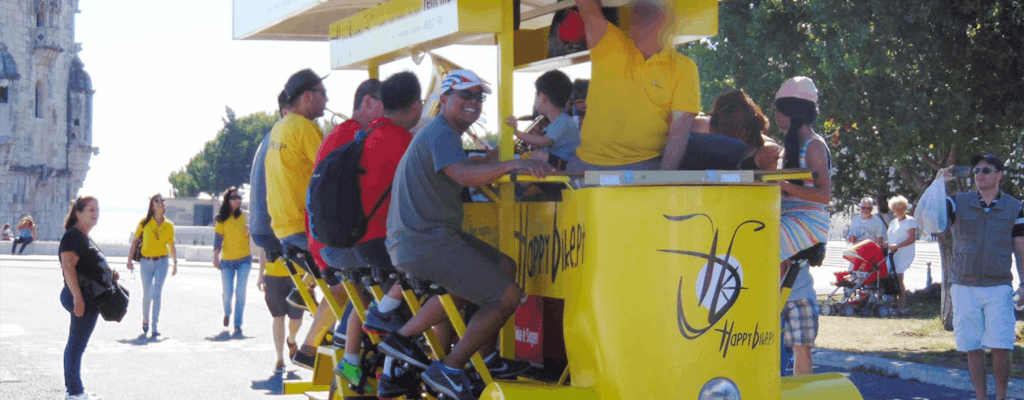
(905, 87)
(226, 160)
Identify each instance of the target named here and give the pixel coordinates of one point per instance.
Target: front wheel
(883, 310)
(848, 310)
(827, 310)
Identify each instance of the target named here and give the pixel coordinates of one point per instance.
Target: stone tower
(45, 113)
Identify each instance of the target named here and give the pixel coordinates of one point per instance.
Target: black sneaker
(455, 386)
(404, 384)
(404, 349)
(503, 368)
(295, 299)
(306, 357)
(381, 324)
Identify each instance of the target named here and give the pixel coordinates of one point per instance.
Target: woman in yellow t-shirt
(157, 242)
(231, 255)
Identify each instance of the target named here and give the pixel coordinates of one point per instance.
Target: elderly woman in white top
(901, 237)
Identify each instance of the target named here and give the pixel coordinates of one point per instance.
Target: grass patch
(918, 338)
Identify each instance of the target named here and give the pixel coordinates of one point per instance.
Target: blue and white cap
(460, 79)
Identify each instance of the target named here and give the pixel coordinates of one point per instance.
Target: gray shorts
(471, 271)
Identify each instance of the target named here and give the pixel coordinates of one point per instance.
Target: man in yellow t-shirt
(643, 94)
(294, 141)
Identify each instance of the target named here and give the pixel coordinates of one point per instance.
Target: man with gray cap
(643, 95)
(425, 239)
(988, 225)
(294, 141)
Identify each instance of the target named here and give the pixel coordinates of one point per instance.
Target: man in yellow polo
(292, 148)
(643, 94)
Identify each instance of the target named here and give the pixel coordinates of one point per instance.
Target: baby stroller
(867, 286)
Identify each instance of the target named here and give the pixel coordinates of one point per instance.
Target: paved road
(192, 361)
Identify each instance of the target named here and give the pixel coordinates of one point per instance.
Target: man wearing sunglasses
(645, 95)
(987, 225)
(866, 226)
(425, 239)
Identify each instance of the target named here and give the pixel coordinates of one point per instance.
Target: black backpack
(334, 199)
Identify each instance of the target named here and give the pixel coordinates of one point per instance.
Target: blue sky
(164, 71)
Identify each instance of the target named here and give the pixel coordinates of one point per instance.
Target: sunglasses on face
(470, 95)
(235, 197)
(983, 170)
(866, 208)
(155, 201)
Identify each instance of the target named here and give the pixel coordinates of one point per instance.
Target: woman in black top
(85, 274)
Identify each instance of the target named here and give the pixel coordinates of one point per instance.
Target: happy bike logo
(717, 285)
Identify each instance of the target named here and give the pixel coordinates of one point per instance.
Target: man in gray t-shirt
(425, 239)
(866, 225)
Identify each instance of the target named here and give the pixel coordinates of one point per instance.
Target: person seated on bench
(425, 239)
(560, 139)
(383, 147)
(805, 218)
(644, 93)
(732, 137)
(734, 114)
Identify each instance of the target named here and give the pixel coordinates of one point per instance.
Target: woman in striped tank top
(804, 220)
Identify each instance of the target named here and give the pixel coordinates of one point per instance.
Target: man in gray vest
(988, 225)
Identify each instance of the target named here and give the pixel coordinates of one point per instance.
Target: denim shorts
(374, 254)
(340, 258)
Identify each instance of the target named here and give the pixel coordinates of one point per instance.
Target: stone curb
(948, 377)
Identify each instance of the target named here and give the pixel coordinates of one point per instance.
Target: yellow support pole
(460, 329)
(358, 307)
(506, 202)
(374, 70)
(432, 341)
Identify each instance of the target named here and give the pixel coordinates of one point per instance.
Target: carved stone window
(41, 13)
(39, 99)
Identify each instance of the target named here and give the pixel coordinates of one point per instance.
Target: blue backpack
(334, 199)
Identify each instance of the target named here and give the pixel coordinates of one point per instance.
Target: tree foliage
(905, 87)
(226, 160)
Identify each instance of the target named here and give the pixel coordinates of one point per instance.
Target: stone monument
(45, 113)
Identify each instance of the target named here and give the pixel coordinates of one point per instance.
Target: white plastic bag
(931, 209)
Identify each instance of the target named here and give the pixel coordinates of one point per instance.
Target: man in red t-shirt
(383, 147)
(367, 107)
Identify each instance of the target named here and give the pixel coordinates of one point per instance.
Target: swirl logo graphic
(717, 285)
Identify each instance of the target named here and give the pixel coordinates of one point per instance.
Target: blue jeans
(230, 270)
(78, 338)
(24, 240)
(297, 239)
(154, 273)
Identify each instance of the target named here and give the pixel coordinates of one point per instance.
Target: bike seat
(424, 287)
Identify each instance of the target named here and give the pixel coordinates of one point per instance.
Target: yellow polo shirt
(630, 100)
(294, 141)
(156, 238)
(236, 238)
(277, 269)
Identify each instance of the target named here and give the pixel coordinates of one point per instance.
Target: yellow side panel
(481, 221)
(480, 16)
(832, 386)
(672, 289)
(524, 391)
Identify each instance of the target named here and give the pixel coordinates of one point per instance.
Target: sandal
(292, 348)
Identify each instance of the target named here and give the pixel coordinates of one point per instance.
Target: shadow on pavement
(275, 383)
(225, 336)
(140, 340)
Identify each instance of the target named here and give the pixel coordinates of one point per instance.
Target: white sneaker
(83, 396)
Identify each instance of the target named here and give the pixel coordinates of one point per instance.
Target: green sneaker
(352, 374)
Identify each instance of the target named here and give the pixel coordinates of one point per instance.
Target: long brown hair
(77, 206)
(149, 214)
(734, 114)
(225, 206)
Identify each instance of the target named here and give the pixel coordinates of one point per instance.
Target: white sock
(388, 304)
(352, 359)
(388, 363)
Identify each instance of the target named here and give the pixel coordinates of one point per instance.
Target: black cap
(990, 158)
(299, 83)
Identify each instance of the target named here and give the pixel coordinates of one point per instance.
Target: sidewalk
(949, 377)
